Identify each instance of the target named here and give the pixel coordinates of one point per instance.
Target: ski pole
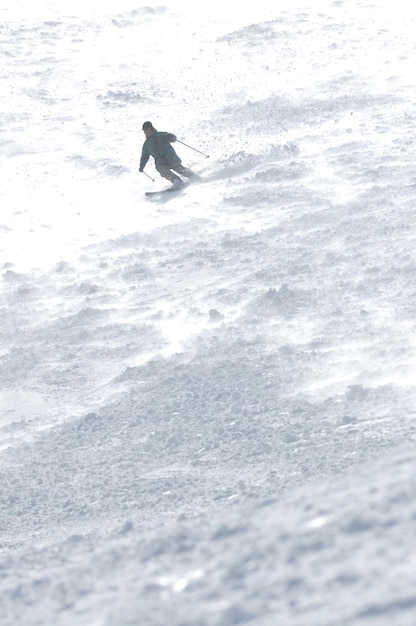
(152, 179)
(185, 144)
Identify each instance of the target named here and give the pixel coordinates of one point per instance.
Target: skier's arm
(144, 159)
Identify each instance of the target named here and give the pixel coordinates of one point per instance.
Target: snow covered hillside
(207, 400)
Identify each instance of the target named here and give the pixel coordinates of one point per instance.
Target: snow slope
(207, 400)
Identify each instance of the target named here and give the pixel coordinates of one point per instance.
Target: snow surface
(208, 400)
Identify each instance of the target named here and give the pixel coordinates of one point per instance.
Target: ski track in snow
(207, 400)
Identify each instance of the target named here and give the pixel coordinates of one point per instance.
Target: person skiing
(158, 145)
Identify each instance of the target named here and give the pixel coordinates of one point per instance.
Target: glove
(140, 169)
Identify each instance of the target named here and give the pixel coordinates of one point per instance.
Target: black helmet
(147, 125)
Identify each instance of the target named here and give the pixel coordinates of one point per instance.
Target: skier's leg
(183, 171)
(164, 171)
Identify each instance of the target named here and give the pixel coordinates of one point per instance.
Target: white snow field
(207, 399)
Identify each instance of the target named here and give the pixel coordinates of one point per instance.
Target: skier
(158, 145)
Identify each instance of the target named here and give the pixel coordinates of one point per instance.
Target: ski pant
(165, 171)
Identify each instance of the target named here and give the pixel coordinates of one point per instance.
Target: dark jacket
(158, 146)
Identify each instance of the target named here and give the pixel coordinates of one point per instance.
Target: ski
(162, 191)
